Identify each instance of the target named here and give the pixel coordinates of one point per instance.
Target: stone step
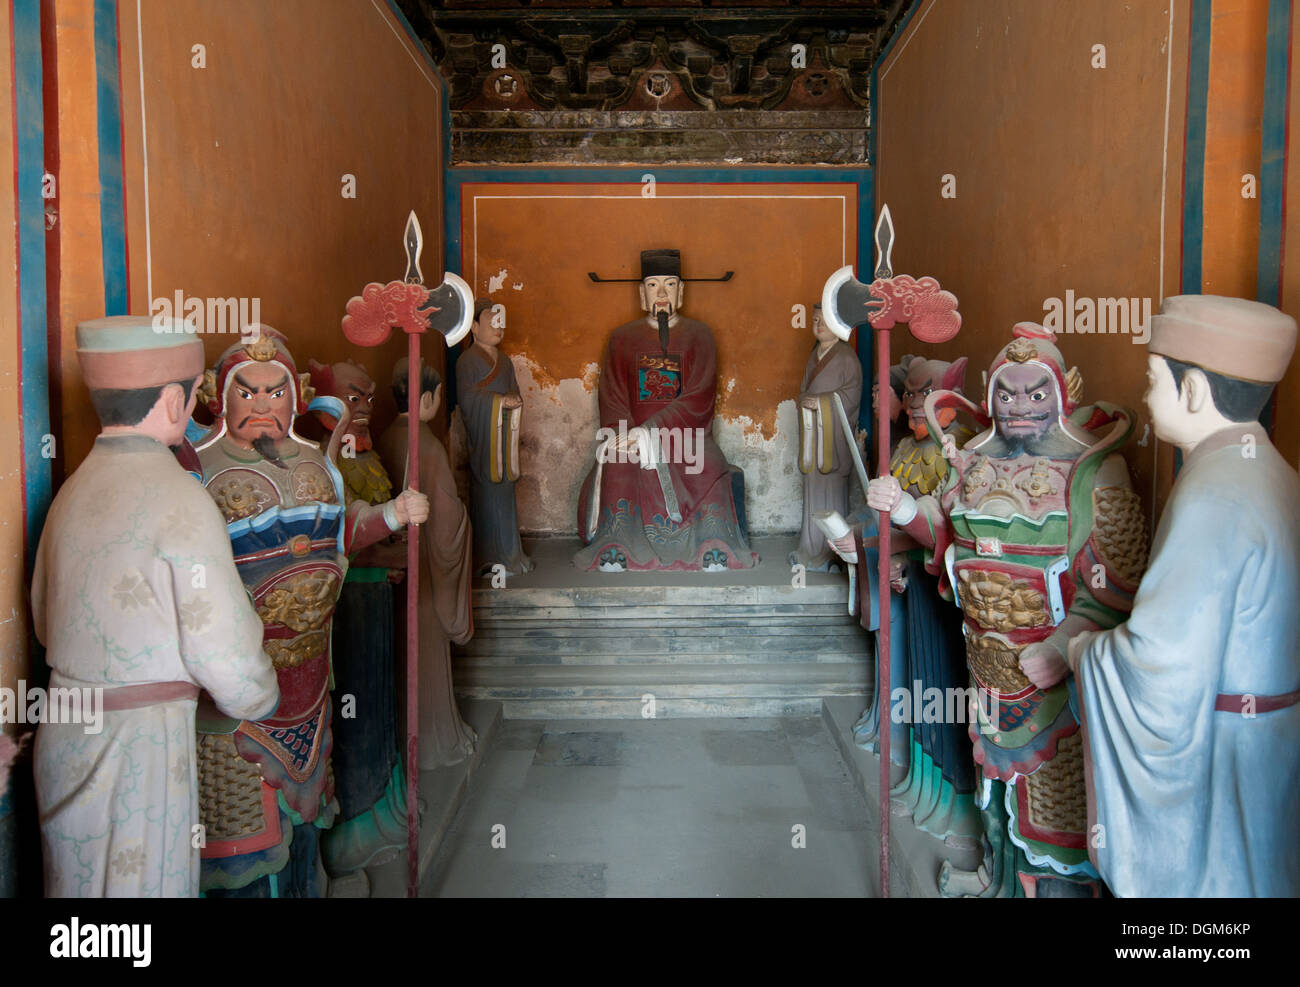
(485, 626)
(556, 642)
(560, 646)
(503, 658)
(634, 709)
(679, 595)
(667, 679)
(659, 612)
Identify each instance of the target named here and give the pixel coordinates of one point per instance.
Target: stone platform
(559, 643)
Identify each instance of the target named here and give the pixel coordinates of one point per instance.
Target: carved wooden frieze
(608, 81)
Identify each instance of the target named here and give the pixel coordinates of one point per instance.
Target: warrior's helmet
(268, 346)
(1036, 345)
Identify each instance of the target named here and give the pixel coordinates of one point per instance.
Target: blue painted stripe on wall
(112, 211)
(30, 128)
(866, 338)
(1198, 93)
(1272, 167)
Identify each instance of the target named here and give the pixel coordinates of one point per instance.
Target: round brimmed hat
(1230, 336)
(125, 352)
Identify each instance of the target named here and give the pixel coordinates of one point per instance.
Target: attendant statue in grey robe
(489, 401)
(824, 457)
(445, 612)
(1191, 707)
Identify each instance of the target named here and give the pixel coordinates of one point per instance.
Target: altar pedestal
(562, 643)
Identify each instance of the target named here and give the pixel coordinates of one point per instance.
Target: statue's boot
(919, 781)
(965, 828)
(996, 876)
(935, 820)
(370, 838)
(929, 789)
(907, 789)
(864, 731)
(957, 883)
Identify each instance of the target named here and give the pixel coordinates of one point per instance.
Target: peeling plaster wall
(557, 450)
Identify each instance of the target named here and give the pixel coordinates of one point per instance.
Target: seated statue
(660, 495)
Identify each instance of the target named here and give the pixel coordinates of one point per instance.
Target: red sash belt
(148, 694)
(1224, 703)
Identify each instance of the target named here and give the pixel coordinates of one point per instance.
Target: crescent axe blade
(845, 302)
(453, 308)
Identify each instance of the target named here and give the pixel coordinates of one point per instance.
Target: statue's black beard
(662, 318)
(265, 446)
(1054, 444)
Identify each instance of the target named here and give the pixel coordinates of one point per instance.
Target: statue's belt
(297, 546)
(138, 696)
(1247, 703)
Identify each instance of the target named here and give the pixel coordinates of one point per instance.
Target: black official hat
(661, 264)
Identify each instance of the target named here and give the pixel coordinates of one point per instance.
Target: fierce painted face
(259, 403)
(924, 377)
(1026, 406)
(661, 294)
(353, 385)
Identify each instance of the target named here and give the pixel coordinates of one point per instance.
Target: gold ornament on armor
(208, 388)
(310, 483)
(1022, 351)
(305, 389)
(1000, 602)
(1074, 384)
(996, 664)
(293, 652)
(1039, 481)
(261, 349)
(304, 602)
(980, 474)
(239, 499)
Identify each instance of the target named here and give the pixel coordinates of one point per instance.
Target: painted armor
(1034, 547)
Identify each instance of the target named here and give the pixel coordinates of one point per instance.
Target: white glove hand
(885, 494)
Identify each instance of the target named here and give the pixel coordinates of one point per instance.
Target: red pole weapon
(931, 316)
(371, 317)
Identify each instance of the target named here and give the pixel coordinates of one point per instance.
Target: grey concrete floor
(659, 808)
